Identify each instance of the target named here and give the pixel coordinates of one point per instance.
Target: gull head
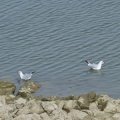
(19, 72)
(101, 62)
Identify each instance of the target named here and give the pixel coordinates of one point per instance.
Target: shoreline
(25, 106)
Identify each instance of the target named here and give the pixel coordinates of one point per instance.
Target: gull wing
(94, 66)
(27, 76)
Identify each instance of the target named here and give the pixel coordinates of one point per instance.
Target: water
(54, 38)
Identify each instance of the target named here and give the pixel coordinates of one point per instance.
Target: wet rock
(102, 101)
(31, 86)
(6, 88)
(26, 90)
(69, 105)
(92, 97)
(83, 102)
(72, 97)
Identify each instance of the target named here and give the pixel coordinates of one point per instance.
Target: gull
(26, 76)
(95, 66)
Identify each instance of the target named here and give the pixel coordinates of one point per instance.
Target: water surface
(54, 38)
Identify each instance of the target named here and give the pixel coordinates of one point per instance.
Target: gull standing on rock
(95, 66)
(26, 76)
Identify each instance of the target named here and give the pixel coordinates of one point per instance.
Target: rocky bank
(24, 106)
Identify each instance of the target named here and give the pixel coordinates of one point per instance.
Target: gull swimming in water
(26, 76)
(95, 66)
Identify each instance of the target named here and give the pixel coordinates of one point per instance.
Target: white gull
(26, 76)
(95, 66)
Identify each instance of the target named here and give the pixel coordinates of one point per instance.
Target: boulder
(35, 107)
(49, 107)
(6, 88)
(59, 115)
(44, 116)
(116, 116)
(28, 88)
(102, 101)
(77, 115)
(83, 102)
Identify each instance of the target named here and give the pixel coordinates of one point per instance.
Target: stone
(93, 106)
(49, 107)
(92, 97)
(20, 101)
(68, 105)
(35, 107)
(116, 116)
(61, 103)
(2, 100)
(24, 110)
(59, 115)
(3, 112)
(102, 101)
(112, 107)
(7, 88)
(77, 115)
(31, 86)
(44, 116)
(83, 102)
(23, 117)
(28, 88)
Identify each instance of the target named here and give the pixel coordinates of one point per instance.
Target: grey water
(54, 38)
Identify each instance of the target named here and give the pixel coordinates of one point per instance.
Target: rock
(68, 105)
(60, 103)
(44, 116)
(3, 113)
(83, 102)
(112, 107)
(2, 100)
(6, 88)
(97, 115)
(24, 110)
(5, 110)
(59, 115)
(92, 97)
(35, 107)
(93, 106)
(26, 90)
(20, 101)
(77, 115)
(102, 101)
(23, 117)
(116, 116)
(49, 107)
(31, 86)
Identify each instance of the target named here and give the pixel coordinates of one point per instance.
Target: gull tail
(33, 72)
(86, 61)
